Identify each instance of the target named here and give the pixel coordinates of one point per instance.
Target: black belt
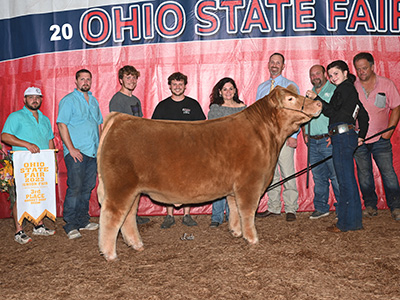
(319, 137)
(342, 128)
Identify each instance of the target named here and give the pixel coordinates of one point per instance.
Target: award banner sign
(35, 182)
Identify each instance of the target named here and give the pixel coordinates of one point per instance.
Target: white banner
(35, 181)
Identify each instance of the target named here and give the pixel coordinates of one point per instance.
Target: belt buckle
(342, 128)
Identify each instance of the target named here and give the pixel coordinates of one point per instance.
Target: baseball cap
(31, 91)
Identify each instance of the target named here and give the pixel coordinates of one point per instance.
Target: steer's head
(295, 107)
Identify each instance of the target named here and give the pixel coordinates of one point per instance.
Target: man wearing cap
(79, 123)
(28, 129)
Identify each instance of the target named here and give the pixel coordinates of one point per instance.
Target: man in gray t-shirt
(123, 101)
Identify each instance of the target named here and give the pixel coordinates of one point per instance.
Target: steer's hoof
(141, 248)
(252, 241)
(137, 245)
(110, 257)
(236, 233)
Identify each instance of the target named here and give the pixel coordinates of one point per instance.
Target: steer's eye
(290, 98)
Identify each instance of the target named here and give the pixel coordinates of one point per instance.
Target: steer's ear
(292, 88)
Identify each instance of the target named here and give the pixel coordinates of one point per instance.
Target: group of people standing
(351, 108)
(79, 123)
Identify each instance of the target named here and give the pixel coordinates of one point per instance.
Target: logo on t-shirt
(135, 110)
(186, 111)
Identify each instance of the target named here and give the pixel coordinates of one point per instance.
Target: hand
(33, 148)
(329, 142)
(305, 139)
(76, 155)
(387, 135)
(291, 142)
(360, 141)
(310, 94)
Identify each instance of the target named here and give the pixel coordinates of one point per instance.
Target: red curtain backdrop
(204, 62)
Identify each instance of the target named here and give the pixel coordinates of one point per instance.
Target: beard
(129, 88)
(33, 107)
(317, 83)
(85, 88)
(275, 71)
(177, 94)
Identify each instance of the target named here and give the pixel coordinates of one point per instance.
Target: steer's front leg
(234, 219)
(247, 206)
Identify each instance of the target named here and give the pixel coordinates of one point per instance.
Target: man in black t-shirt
(178, 107)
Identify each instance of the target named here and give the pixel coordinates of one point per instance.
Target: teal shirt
(23, 125)
(82, 120)
(319, 126)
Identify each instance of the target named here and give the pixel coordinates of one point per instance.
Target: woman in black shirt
(343, 111)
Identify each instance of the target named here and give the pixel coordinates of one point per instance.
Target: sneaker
(42, 230)
(188, 221)
(90, 226)
(214, 224)
(142, 220)
(168, 222)
(370, 212)
(396, 214)
(317, 215)
(74, 234)
(21, 238)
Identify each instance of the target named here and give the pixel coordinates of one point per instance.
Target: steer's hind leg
(234, 219)
(113, 212)
(129, 228)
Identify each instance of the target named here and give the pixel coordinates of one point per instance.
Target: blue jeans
(218, 207)
(322, 173)
(349, 205)
(81, 181)
(383, 156)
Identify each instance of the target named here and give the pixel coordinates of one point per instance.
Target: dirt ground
(297, 260)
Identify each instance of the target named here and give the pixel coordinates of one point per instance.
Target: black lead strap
(301, 172)
(308, 154)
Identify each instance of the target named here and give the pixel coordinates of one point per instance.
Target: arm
(363, 122)
(325, 105)
(51, 144)
(305, 136)
(113, 105)
(214, 112)
(199, 116)
(157, 113)
(393, 121)
(12, 140)
(64, 133)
